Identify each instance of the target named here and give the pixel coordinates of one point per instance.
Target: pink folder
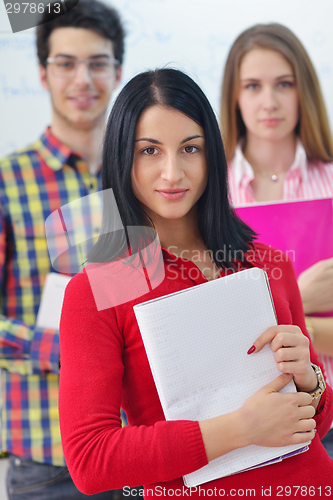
(301, 229)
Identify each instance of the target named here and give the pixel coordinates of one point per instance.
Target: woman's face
(267, 95)
(169, 172)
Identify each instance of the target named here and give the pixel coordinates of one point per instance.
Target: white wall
(193, 35)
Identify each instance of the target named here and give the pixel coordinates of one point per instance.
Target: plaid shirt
(33, 183)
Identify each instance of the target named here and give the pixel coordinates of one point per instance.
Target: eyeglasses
(98, 67)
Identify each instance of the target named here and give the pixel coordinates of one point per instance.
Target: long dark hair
(218, 224)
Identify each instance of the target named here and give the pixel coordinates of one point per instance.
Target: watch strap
(321, 386)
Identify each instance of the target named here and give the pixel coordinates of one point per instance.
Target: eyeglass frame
(113, 61)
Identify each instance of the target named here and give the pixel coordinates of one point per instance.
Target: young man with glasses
(80, 55)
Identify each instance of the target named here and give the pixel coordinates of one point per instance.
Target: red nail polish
(252, 349)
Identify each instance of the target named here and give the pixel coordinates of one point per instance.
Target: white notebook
(196, 342)
(49, 311)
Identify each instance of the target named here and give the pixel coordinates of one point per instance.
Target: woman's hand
(316, 287)
(267, 418)
(278, 419)
(291, 353)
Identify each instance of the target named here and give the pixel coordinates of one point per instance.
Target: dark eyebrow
(155, 141)
(192, 137)
(148, 139)
(100, 55)
(90, 57)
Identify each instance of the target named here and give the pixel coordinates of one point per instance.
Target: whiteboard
(192, 35)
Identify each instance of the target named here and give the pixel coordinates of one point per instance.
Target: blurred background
(192, 35)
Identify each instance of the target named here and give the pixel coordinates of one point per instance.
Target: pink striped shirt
(304, 179)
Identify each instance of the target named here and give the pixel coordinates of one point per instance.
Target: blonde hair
(313, 127)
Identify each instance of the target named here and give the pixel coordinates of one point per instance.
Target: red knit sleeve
(100, 454)
(324, 416)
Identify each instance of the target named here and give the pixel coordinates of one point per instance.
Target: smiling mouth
(175, 194)
(83, 102)
(85, 98)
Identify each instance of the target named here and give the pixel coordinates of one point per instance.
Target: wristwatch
(317, 392)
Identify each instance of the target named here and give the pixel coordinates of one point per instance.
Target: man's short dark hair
(88, 14)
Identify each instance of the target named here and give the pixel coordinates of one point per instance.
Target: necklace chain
(263, 173)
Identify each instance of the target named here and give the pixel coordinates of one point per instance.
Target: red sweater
(104, 367)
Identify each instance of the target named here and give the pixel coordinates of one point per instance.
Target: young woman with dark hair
(164, 161)
(217, 223)
(280, 147)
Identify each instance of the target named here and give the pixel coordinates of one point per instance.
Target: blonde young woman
(279, 147)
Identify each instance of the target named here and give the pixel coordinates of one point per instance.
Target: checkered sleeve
(25, 349)
(28, 350)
